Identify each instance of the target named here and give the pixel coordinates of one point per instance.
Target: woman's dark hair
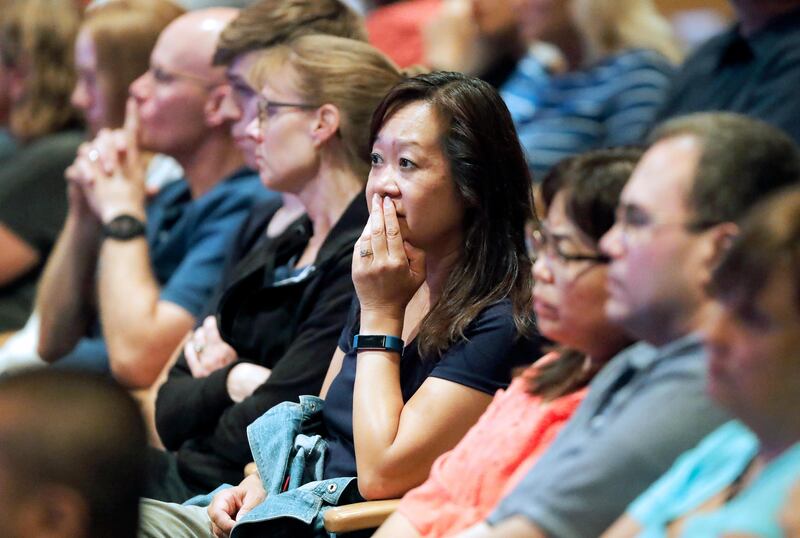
(491, 176)
(591, 183)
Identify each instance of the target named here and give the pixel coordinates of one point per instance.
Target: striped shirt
(610, 103)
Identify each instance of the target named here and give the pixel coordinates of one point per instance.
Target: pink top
(466, 483)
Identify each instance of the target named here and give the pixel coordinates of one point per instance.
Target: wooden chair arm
(359, 516)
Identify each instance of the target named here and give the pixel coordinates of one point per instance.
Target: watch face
(124, 227)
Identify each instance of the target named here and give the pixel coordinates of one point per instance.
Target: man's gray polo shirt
(643, 409)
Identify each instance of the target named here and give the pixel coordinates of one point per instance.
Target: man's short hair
(742, 160)
(769, 240)
(270, 22)
(78, 431)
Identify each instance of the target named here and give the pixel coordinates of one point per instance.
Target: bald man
(152, 266)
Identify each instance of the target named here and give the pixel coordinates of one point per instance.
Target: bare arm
(515, 527)
(67, 283)
(333, 371)
(624, 527)
(396, 442)
(141, 331)
(397, 525)
(17, 256)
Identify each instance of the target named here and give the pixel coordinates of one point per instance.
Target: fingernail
(376, 200)
(387, 202)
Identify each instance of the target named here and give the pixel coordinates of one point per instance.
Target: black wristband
(378, 342)
(124, 228)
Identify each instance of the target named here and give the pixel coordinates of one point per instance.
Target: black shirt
(33, 205)
(483, 361)
(291, 328)
(758, 75)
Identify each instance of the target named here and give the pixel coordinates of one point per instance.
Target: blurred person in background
(111, 50)
(677, 216)
(396, 29)
(36, 79)
(739, 478)
(7, 143)
(476, 37)
(71, 457)
(594, 76)
(752, 69)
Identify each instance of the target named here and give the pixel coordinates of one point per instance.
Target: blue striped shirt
(610, 103)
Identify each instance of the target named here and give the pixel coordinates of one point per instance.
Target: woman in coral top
(580, 196)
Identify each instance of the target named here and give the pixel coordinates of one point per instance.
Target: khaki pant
(169, 520)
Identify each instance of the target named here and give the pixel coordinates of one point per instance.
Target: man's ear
(326, 124)
(216, 110)
(720, 239)
(55, 511)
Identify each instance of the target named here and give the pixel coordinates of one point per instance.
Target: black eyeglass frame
(541, 242)
(265, 104)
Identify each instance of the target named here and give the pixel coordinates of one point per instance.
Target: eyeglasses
(163, 77)
(543, 242)
(265, 105)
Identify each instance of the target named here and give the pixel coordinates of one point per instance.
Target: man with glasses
(152, 265)
(676, 216)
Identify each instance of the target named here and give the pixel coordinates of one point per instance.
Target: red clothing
(396, 30)
(466, 483)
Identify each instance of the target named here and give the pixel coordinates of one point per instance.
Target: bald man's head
(192, 40)
(177, 96)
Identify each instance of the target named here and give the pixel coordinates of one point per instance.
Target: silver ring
(364, 252)
(93, 155)
(198, 348)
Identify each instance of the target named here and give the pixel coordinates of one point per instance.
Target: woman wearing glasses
(286, 299)
(443, 285)
(579, 195)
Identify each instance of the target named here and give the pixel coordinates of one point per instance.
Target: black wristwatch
(124, 228)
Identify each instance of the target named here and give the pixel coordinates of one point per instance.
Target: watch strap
(124, 228)
(378, 342)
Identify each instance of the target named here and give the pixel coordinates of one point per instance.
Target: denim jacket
(288, 433)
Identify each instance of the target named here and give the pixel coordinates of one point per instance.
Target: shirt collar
(646, 359)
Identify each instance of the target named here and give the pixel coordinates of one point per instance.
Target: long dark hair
(592, 183)
(490, 173)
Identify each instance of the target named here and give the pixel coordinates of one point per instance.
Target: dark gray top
(33, 205)
(643, 409)
(757, 75)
